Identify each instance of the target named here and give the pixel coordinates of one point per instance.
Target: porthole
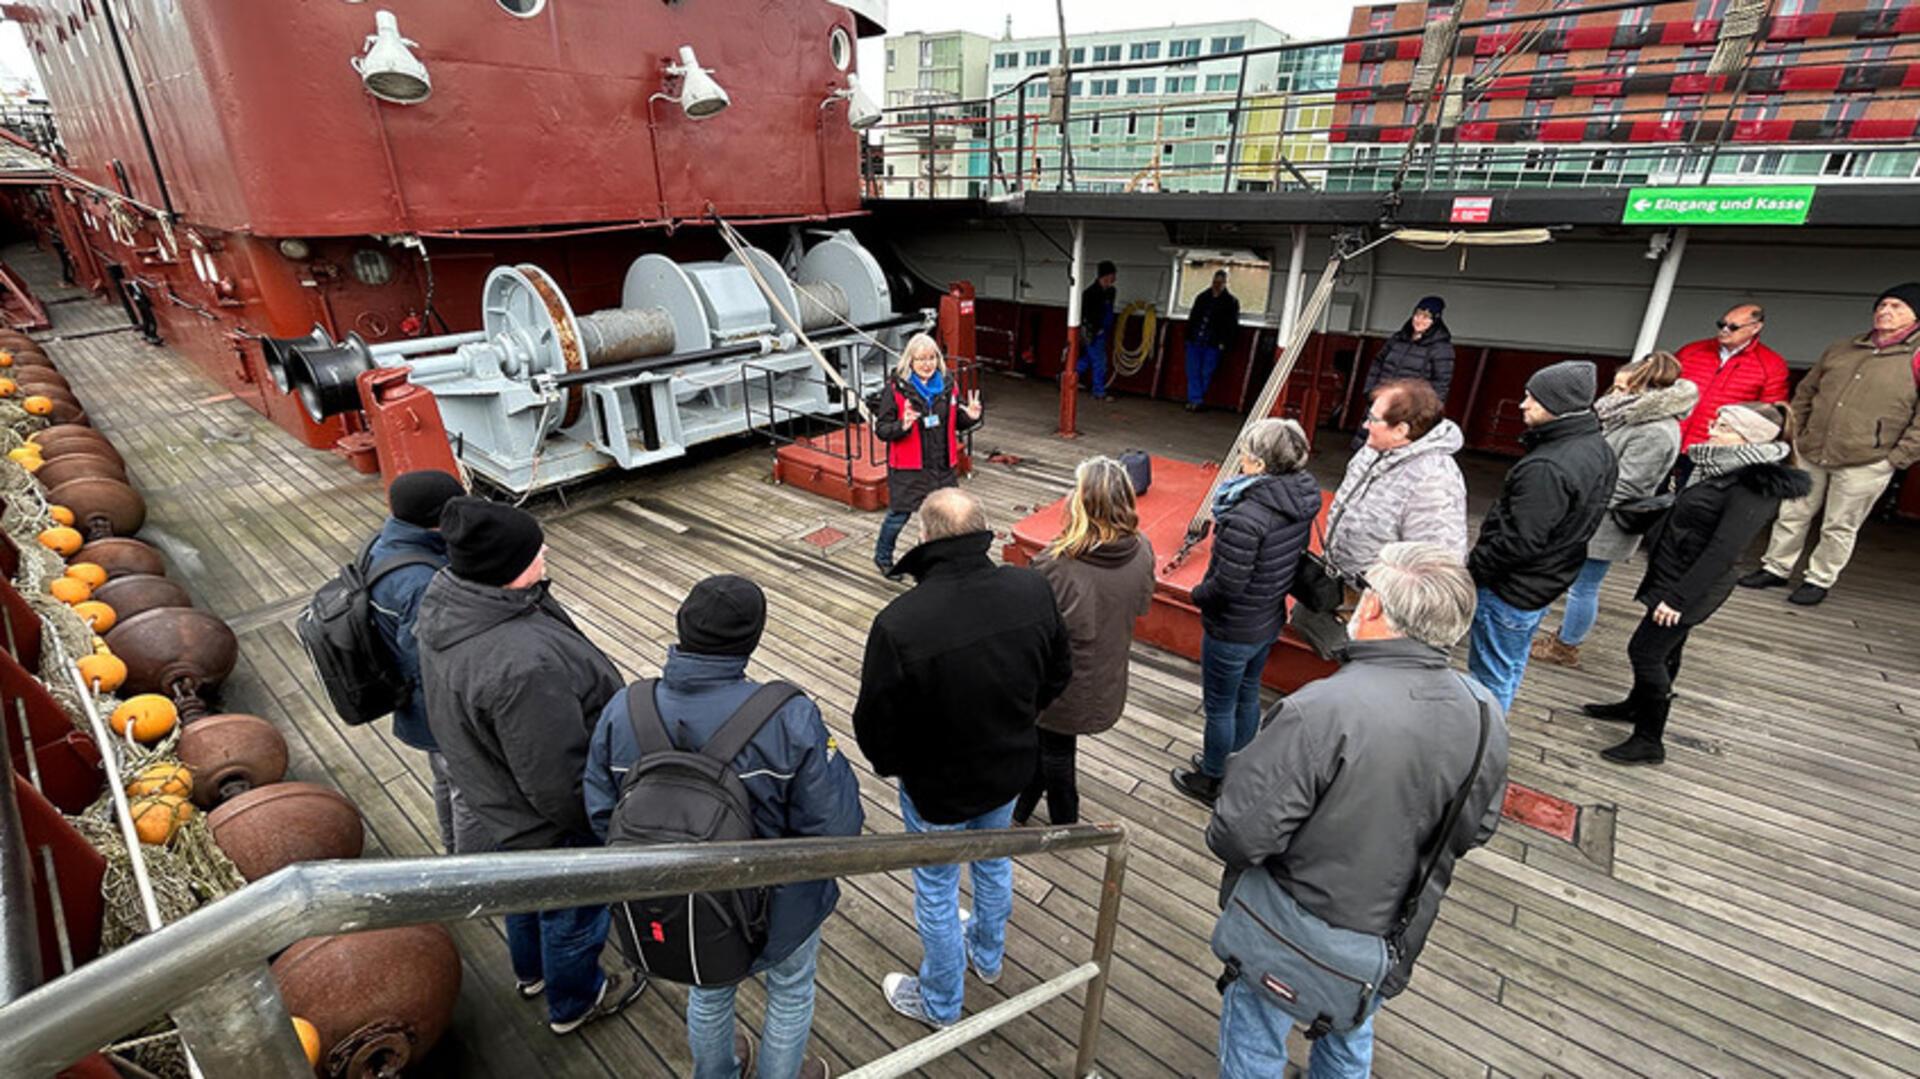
(840, 48)
(523, 9)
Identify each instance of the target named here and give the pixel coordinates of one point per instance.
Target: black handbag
(1324, 977)
(1316, 586)
(1139, 466)
(1639, 515)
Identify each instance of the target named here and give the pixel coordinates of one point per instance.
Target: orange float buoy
(69, 590)
(91, 574)
(162, 778)
(157, 817)
(61, 515)
(309, 1039)
(98, 616)
(103, 671)
(151, 716)
(61, 540)
(38, 405)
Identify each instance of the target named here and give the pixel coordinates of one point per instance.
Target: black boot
(1644, 746)
(1196, 785)
(1620, 711)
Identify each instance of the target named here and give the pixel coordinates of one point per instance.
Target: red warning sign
(1472, 210)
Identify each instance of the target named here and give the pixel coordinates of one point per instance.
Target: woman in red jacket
(919, 416)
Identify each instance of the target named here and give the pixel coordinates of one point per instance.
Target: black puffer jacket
(1534, 539)
(513, 690)
(1430, 358)
(1257, 544)
(955, 674)
(1693, 551)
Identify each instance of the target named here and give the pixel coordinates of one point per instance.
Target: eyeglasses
(1372, 421)
(1731, 326)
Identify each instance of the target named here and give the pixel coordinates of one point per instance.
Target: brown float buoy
(175, 651)
(231, 754)
(40, 379)
(120, 555)
(131, 594)
(73, 438)
(75, 466)
(274, 826)
(379, 999)
(101, 507)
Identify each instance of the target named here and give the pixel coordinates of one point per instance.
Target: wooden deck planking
(1752, 917)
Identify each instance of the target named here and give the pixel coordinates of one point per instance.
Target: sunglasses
(1731, 326)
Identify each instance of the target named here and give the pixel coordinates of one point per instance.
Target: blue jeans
(563, 947)
(1253, 1041)
(1202, 362)
(1230, 699)
(1093, 353)
(1583, 602)
(1497, 645)
(783, 1033)
(890, 528)
(936, 910)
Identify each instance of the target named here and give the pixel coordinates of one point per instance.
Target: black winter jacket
(1097, 303)
(1692, 552)
(1256, 546)
(513, 692)
(1534, 539)
(908, 487)
(1430, 358)
(956, 672)
(1213, 319)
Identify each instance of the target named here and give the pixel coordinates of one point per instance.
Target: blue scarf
(929, 390)
(1231, 492)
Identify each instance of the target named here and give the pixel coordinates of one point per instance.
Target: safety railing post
(237, 1025)
(1020, 137)
(1233, 126)
(1092, 1017)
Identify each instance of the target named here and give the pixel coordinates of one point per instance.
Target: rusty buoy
(131, 594)
(176, 651)
(75, 466)
(120, 555)
(274, 826)
(73, 438)
(231, 754)
(101, 507)
(380, 999)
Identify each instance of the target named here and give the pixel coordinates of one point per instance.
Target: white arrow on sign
(1643, 205)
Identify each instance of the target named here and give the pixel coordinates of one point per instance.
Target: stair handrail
(235, 1024)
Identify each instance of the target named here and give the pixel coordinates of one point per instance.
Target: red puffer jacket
(1755, 373)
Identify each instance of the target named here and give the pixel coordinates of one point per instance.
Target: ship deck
(1752, 908)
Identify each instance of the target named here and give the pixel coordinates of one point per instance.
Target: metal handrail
(235, 1023)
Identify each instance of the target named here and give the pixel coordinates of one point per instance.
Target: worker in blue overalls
(1096, 329)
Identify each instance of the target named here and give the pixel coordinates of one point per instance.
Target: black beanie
(418, 497)
(489, 543)
(1908, 294)
(1432, 305)
(724, 615)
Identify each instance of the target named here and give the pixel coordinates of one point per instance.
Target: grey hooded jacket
(1348, 780)
(1644, 432)
(513, 690)
(1413, 493)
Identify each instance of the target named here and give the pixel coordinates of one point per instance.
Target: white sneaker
(903, 994)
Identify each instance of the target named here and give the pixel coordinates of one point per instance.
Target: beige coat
(1857, 405)
(1100, 594)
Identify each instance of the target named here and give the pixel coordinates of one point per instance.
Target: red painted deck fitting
(1557, 817)
(819, 465)
(1173, 623)
(825, 536)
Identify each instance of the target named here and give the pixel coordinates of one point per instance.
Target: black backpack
(351, 660)
(673, 795)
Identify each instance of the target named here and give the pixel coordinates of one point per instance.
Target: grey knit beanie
(1563, 388)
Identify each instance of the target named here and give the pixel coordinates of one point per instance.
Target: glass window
(1094, 128)
(1682, 107)
(1369, 74)
(1166, 149)
(1551, 61)
(1379, 20)
(1217, 45)
(1439, 10)
(1144, 50)
(1869, 54)
(1847, 108)
(1497, 9)
(1039, 57)
(1704, 10)
(1186, 48)
(1761, 107)
(1361, 114)
(1000, 59)
(1694, 60)
(1623, 61)
(1796, 7)
(1190, 122)
(926, 53)
(1133, 124)
(1236, 43)
(1539, 109)
(1636, 17)
(1477, 111)
(889, 59)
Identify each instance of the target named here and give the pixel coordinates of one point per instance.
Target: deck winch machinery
(696, 351)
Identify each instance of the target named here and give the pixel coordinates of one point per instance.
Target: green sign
(1777, 204)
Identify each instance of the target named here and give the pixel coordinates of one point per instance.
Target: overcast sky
(1300, 18)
